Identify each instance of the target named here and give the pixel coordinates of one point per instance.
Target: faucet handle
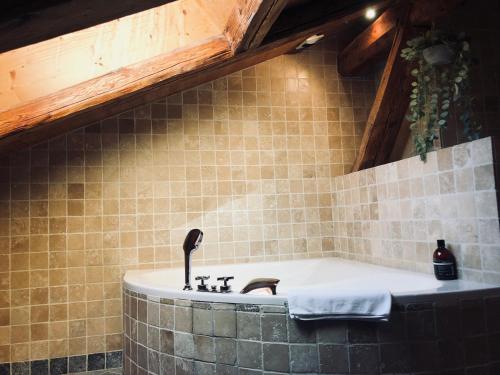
(202, 287)
(225, 288)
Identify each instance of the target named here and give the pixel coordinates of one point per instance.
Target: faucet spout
(191, 244)
(265, 283)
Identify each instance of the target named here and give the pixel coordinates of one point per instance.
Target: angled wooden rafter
(113, 85)
(368, 45)
(250, 22)
(390, 103)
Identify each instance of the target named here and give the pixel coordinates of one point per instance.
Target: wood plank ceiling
(24, 22)
(44, 68)
(74, 79)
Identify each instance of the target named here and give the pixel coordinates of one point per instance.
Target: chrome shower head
(192, 241)
(191, 244)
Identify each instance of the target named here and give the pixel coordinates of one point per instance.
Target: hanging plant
(441, 86)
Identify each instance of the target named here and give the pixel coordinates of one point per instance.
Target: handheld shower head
(193, 240)
(191, 244)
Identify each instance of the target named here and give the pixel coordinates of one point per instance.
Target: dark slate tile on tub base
(77, 363)
(273, 327)
(364, 358)
(333, 358)
(40, 367)
(4, 368)
(204, 368)
(20, 368)
(305, 358)
(226, 370)
(225, 323)
(58, 366)
(225, 351)
(183, 366)
(142, 356)
(301, 331)
(247, 371)
(96, 362)
(202, 321)
(248, 326)
(362, 332)
(114, 359)
(153, 362)
(276, 357)
(167, 364)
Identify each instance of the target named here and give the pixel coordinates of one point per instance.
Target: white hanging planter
(440, 54)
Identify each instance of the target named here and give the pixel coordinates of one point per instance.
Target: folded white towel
(332, 301)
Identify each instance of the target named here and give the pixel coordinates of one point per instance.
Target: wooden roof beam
(29, 22)
(376, 40)
(112, 86)
(250, 22)
(390, 104)
(372, 43)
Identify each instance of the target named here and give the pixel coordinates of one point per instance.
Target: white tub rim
(133, 280)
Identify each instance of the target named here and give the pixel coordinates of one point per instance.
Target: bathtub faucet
(191, 244)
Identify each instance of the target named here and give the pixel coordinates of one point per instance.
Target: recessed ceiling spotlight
(313, 39)
(370, 13)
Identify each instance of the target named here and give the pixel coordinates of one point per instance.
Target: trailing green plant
(439, 88)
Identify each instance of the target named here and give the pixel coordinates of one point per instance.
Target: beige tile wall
(393, 214)
(248, 158)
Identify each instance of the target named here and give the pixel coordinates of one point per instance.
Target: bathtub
(168, 283)
(434, 328)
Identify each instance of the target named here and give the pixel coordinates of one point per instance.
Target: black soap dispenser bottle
(445, 265)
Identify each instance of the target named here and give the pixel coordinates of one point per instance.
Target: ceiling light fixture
(313, 39)
(370, 13)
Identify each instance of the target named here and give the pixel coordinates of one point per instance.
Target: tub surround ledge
(172, 336)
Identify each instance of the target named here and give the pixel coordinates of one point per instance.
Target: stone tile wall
(393, 214)
(434, 337)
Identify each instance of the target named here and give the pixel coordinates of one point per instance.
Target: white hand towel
(331, 302)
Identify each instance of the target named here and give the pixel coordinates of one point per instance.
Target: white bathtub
(168, 283)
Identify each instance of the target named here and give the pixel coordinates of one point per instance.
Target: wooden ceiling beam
(250, 22)
(92, 101)
(24, 22)
(376, 40)
(184, 81)
(370, 44)
(390, 104)
(240, 20)
(114, 85)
